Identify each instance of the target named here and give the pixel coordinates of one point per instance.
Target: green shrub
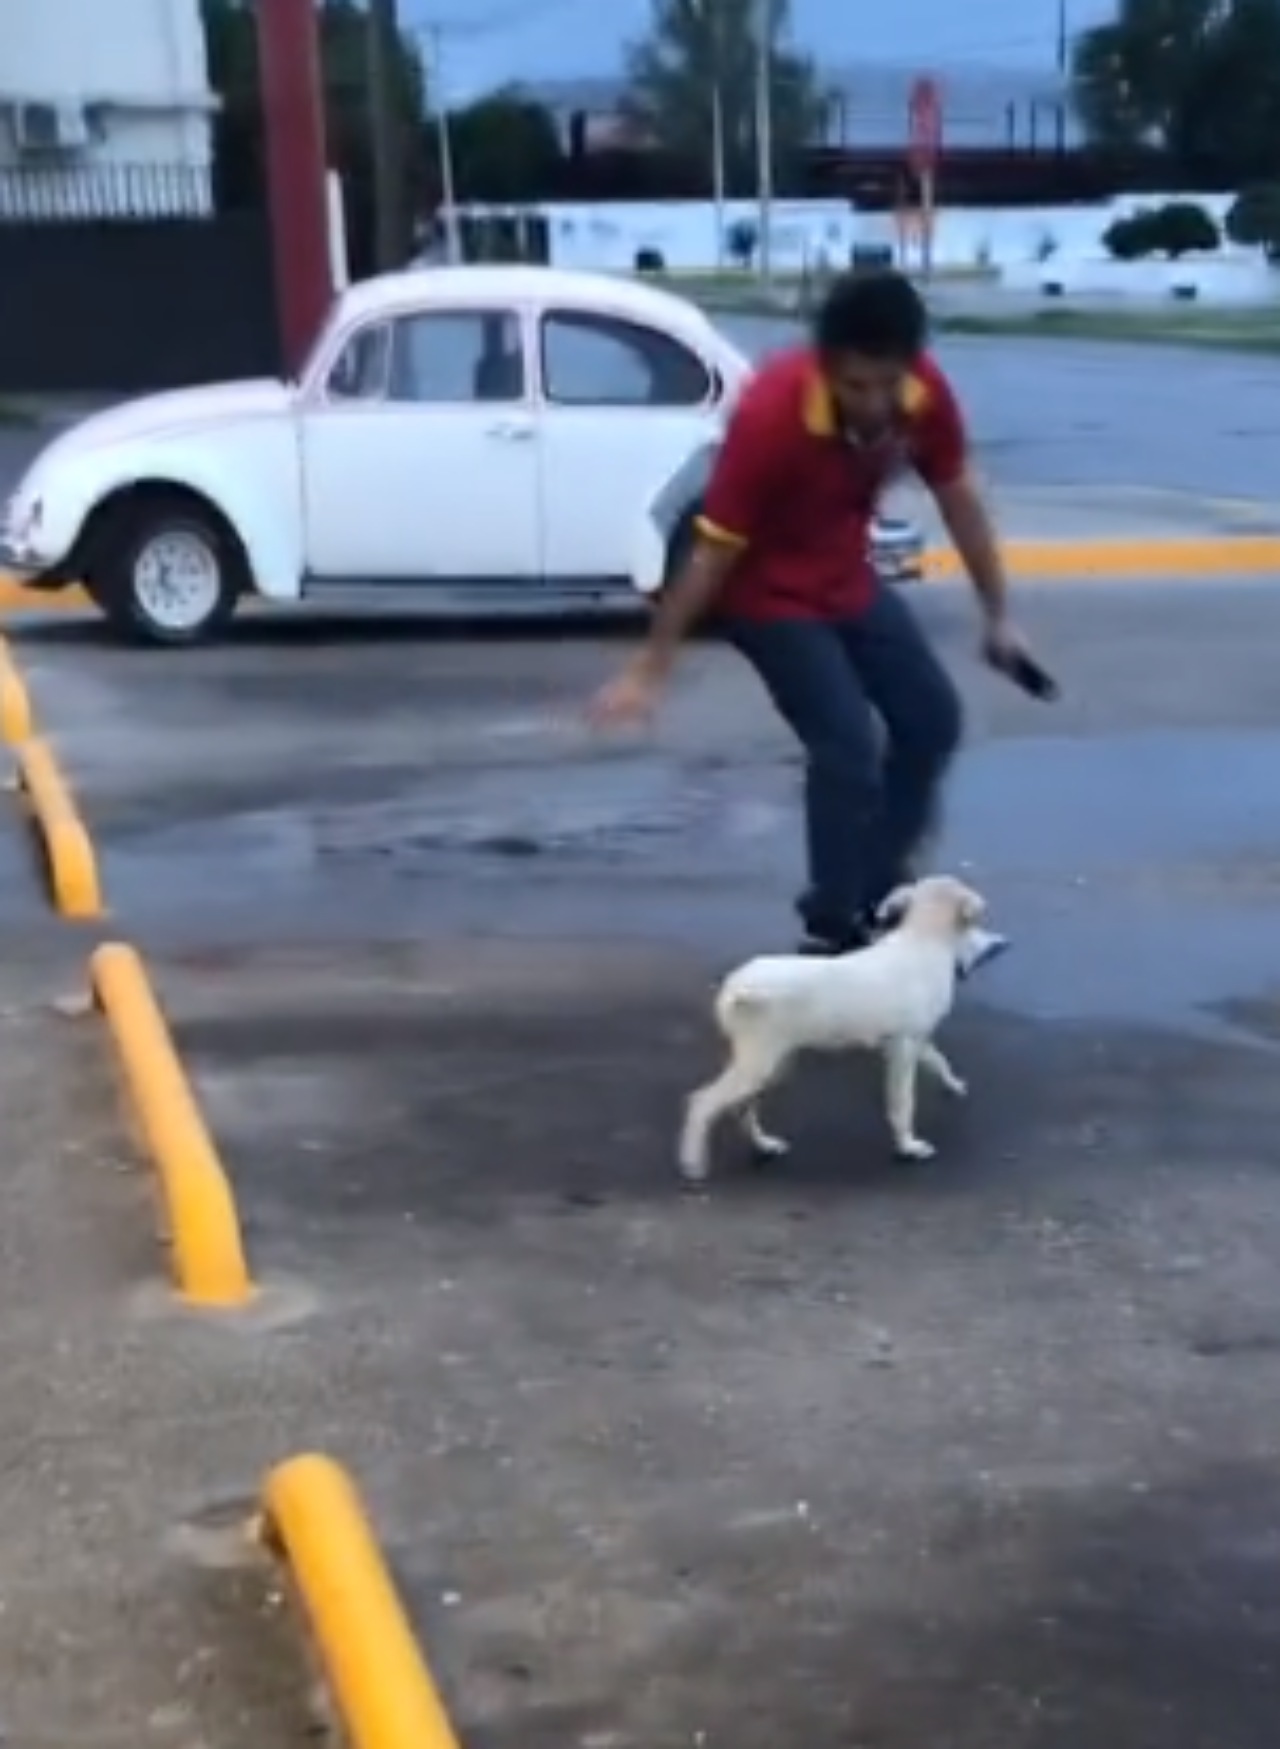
(1178, 228)
(1184, 227)
(1130, 238)
(1253, 219)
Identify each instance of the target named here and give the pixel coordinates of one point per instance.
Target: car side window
(605, 361)
(359, 372)
(458, 357)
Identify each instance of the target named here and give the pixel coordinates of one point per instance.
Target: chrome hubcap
(177, 580)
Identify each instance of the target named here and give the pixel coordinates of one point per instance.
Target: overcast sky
(488, 42)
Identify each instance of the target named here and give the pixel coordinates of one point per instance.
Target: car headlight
(22, 521)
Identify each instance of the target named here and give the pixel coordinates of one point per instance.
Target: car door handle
(512, 430)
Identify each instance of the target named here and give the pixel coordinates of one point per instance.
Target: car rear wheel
(166, 571)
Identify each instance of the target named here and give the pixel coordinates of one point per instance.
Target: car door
(624, 406)
(420, 458)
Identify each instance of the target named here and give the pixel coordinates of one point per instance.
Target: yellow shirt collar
(819, 413)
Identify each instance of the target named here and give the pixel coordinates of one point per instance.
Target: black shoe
(830, 944)
(978, 949)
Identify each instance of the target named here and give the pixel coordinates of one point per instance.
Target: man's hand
(1006, 651)
(632, 696)
(1003, 646)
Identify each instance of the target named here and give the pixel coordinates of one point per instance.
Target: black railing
(50, 193)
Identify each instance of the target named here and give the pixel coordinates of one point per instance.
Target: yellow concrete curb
(73, 867)
(1228, 555)
(209, 1263)
(378, 1676)
(15, 702)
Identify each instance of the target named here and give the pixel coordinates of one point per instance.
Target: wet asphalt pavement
(982, 1454)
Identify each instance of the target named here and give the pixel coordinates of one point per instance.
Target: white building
(105, 109)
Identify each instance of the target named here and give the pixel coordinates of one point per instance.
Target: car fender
(262, 504)
(666, 510)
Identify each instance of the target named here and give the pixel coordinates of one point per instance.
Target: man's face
(867, 391)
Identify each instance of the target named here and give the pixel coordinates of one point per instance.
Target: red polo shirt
(797, 497)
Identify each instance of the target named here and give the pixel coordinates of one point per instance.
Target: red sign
(924, 125)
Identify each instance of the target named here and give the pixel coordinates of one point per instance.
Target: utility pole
(717, 165)
(764, 133)
(711, 24)
(382, 43)
(444, 146)
(293, 106)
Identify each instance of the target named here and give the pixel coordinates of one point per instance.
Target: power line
(498, 18)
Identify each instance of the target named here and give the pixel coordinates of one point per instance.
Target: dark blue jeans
(879, 720)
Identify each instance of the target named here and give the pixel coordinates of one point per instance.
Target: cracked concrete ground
(116, 1628)
(976, 1454)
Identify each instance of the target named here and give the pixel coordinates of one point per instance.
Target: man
(782, 558)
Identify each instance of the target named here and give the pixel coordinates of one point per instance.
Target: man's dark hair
(880, 315)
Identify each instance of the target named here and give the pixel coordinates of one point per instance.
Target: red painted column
(293, 121)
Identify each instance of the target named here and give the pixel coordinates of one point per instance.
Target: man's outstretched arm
(968, 521)
(738, 487)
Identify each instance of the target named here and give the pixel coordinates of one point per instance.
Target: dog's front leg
(932, 1059)
(902, 1060)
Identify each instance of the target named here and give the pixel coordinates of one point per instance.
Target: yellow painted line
(377, 1674)
(73, 867)
(1118, 557)
(15, 701)
(209, 1264)
(15, 597)
(1221, 556)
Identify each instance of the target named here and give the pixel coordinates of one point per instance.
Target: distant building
(105, 109)
(984, 108)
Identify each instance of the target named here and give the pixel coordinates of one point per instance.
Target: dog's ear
(892, 909)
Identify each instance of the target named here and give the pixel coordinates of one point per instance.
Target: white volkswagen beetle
(517, 437)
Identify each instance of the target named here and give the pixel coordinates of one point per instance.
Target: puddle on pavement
(225, 1535)
(602, 809)
(1137, 874)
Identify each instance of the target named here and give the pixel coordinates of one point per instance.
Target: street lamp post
(444, 149)
(710, 21)
(764, 134)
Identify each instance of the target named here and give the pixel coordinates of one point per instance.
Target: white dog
(889, 997)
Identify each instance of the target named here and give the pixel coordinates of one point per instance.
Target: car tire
(166, 570)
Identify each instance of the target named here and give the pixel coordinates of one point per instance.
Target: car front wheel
(167, 571)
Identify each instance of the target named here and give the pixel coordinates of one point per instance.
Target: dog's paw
(957, 1088)
(769, 1148)
(914, 1148)
(693, 1173)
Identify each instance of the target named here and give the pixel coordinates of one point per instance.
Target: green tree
(1198, 79)
(698, 47)
(505, 149)
(1253, 220)
(231, 39)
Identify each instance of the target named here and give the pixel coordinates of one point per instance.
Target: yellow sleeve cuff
(712, 531)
